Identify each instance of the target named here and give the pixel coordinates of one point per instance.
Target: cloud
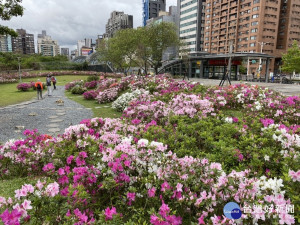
(68, 21)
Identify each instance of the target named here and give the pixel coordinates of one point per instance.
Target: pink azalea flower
(165, 186)
(201, 220)
(295, 175)
(39, 185)
(286, 219)
(11, 218)
(52, 189)
(164, 210)
(174, 220)
(26, 205)
(151, 192)
(131, 197)
(109, 213)
(48, 167)
(61, 171)
(70, 159)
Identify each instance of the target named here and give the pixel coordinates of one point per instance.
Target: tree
(158, 37)
(141, 47)
(8, 9)
(291, 60)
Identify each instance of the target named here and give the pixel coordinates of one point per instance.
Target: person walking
(39, 88)
(48, 83)
(53, 79)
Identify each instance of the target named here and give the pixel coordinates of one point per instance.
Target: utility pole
(19, 69)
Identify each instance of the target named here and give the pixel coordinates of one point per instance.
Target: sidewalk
(46, 115)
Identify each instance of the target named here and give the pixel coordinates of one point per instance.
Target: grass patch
(8, 187)
(105, 111)
(10, 95)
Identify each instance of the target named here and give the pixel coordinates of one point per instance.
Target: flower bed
(10, 78)
(176, 157)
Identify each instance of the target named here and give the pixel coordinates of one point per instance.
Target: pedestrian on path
(53, 79)
(48, 83)
(39, 88)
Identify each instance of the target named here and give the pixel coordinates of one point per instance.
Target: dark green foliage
(78, 90)
(218, 141)
(9, 9)
(92, 78)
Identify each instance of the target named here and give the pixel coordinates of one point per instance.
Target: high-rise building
(24, 43)
(65, 51)
(151, 9)
(88, 42)
(80, 44)
(191, 24)
(118, 21)
(268, 26)
(5, 43)
(46, 46)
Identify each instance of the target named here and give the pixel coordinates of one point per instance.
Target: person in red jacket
(39, 88)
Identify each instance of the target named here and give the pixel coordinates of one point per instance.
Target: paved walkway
(46, 115)
(286, 89)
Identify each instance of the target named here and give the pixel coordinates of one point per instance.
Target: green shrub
(78, 90)
(92, 78)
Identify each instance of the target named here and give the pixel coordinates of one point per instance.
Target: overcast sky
(68, 21)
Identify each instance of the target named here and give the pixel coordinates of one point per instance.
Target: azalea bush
(91, 85)
(89, 95)
(69, 86)
(122, 102)
(107, 176)
(108, 95)
(23, 86)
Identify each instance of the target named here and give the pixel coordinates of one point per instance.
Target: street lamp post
(19, 69)
(260, 60)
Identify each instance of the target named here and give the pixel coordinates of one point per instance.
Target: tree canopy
(141, 47)
(291, 60)
(9, 9)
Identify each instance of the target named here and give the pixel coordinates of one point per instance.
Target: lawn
(105, 111)
(8, 186)
(10, 95)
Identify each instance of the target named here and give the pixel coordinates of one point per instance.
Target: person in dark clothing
(53, 79)
(48, 83)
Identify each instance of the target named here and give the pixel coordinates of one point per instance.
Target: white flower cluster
(271, 184)
(228, 120)
(257, 106)
(122, 102)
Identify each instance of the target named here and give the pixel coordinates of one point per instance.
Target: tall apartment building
(65, 51)
(263, 26)
(191, 23)
(46, 46)
(151, 9)
(5, 43)
(80, 45)
(24, 43)
(118, 21)
(88, 42)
